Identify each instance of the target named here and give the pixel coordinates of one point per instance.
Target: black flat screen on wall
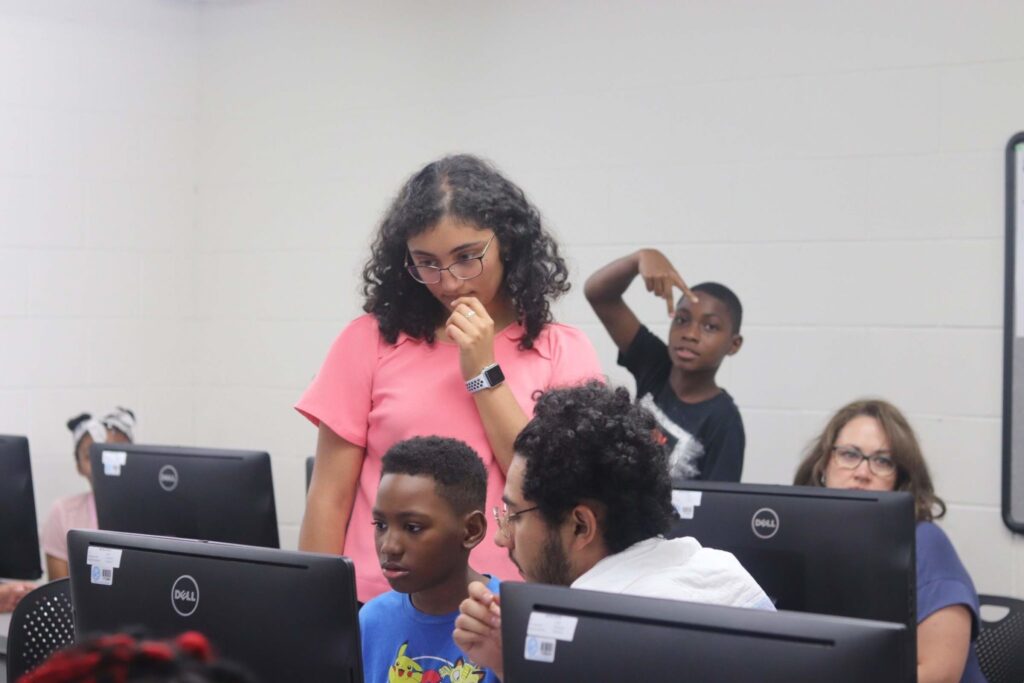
(1013, 340)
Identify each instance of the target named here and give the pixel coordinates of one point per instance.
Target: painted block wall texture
(212, 173)
(98, 116)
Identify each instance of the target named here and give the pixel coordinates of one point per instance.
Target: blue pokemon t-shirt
(403, 645)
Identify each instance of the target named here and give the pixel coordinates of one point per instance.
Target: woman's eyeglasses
(463, 269)
(850, 457)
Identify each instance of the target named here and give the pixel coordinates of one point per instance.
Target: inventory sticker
(685, 501)
(104, 576)
(113, 461)
(539, 649)
(552, 626)
(102, 563)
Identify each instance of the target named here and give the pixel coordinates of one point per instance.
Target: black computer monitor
(19, 538)
(309, 470)
(202, 493)
(561, 634)
(829, 551)
(284, 615)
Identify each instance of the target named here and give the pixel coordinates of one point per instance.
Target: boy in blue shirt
(699, 424)
(427, 518)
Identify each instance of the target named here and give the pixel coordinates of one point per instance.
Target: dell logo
(765, 523)
(185, 595)
(168, 478)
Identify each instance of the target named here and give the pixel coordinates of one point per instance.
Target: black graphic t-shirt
(704, 440)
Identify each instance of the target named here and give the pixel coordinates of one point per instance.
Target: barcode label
(540, 649)
(103, 576)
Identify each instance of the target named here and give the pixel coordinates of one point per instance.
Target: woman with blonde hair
(869, 445)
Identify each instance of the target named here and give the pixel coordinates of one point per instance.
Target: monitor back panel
(205, 494)
(845, 553)
(624, 638)
(19, 538)
(282, 615)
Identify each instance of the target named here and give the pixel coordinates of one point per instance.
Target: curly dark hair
(472, 191)
(591, 442)
(458, 473)
(128, 657)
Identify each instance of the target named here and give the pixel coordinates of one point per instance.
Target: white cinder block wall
(838, 164)
(98, 113)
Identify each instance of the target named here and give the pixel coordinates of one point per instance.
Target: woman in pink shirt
(79, 511)
(457, 339)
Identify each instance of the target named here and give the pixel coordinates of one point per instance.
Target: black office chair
(1000, 643)
(42, 623)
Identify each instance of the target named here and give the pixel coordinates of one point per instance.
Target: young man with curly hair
(586, 502)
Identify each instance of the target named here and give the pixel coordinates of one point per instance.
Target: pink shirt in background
(72, 512)
(374, 394)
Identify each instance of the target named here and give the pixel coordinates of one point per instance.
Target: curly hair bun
(592, 443)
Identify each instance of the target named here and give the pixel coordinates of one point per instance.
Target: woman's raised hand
(472, 329)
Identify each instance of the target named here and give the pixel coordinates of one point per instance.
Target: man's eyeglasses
(850, 457)
(504, 518)
(463, 269)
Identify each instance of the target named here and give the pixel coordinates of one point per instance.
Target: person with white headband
(79, 511)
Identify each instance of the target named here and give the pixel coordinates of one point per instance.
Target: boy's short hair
(458, 473)
(591, 442)
(727, 297)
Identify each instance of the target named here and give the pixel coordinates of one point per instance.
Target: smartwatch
(491, 376)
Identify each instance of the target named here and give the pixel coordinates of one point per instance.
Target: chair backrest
(1000, 643)
(41, 624)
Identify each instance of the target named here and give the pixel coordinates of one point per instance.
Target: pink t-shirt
(374, 394)
(72, 512)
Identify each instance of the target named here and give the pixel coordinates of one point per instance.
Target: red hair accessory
(195, 644)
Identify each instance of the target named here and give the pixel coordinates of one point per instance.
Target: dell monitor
(202, 493)
(282, 615)
(829, 551)
(19, 538)
(552, 633)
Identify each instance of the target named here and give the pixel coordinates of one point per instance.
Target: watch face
(494, 375)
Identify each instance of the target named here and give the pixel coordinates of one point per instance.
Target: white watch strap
(479, 382)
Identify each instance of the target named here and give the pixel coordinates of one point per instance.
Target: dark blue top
(942, 581)
(417, 646)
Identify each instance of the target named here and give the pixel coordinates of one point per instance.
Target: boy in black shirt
(699, 422)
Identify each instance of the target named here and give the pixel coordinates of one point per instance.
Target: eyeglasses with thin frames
(505, 519)
(464, 269)
(850, 457)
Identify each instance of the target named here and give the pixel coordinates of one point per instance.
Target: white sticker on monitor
(685, 501)
(113, 461)
(547, 625)
(102, 563)
(103, 557)
(539, 649)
